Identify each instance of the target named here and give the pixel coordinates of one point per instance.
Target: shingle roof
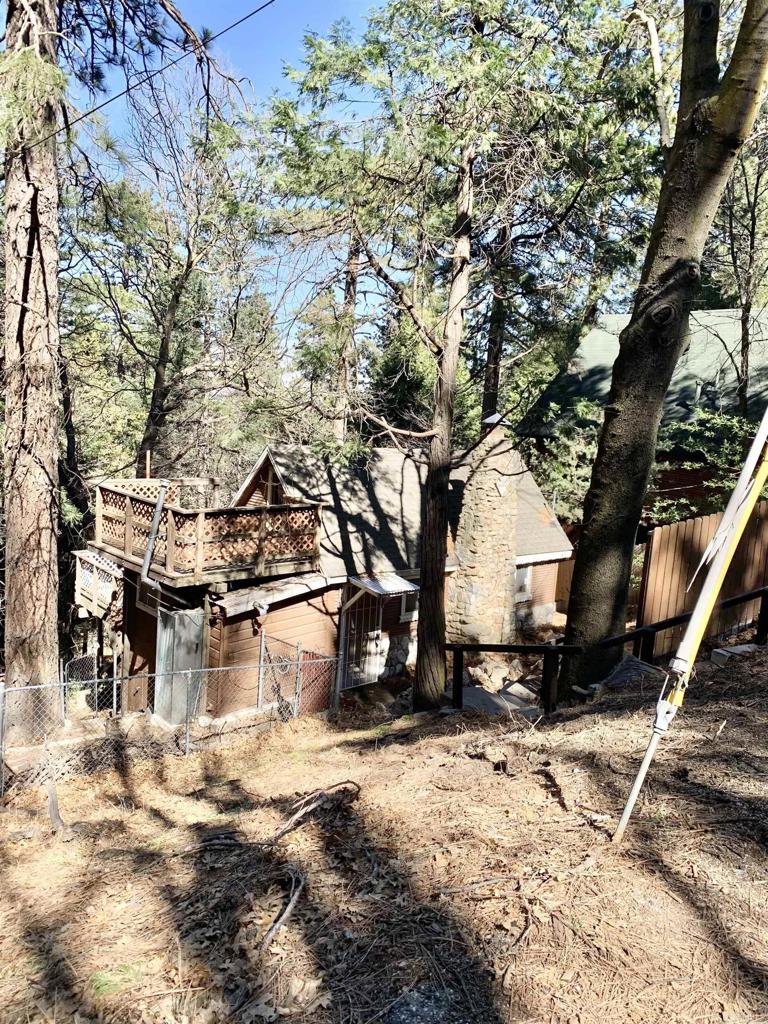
(371, 520)
(538, 531)
(704, 377)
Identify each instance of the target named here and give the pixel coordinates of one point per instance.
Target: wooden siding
(139, 649)
(544, 583)
(313, 623)
(215, 647)
(675, 551)
(565, 576)
(265, 489)
(140, 631)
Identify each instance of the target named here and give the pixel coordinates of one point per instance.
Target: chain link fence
(76, 726)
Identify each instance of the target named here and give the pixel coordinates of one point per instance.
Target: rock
(722, 655)
(497, 675)
(631, 670)
(204, 721)
(496, 755)
(515, 669)
(478, 676)
(525, 693)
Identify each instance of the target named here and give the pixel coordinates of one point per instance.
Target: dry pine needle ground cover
(425, 870)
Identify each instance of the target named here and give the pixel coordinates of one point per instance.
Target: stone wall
(480, 594)
(400, 658)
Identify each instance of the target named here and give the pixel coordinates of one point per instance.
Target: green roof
(704, 378)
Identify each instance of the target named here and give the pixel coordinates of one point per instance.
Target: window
(409, 606)
(523, 583)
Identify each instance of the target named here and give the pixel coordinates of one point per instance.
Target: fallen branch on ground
(302, 809)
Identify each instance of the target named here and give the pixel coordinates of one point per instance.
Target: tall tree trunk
(31, 368)
(71, 533)
(742, 391)
(157, 414)
(347, 344)
(496, 328)
(430, 659)
(494, 352)
(714, 119)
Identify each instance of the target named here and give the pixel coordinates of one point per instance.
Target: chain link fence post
(262, 655)
(190, 709)
(297, 700)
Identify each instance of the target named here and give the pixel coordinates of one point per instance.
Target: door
(179, 649)
(364, 662)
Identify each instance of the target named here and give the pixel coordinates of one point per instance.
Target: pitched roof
(371, 519)
(538, 531)
(704, 377)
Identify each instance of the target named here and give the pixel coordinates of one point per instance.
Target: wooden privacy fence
(672, 555)
(565, 576)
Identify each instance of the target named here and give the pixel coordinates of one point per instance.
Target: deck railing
(195, 544)
(98, 582)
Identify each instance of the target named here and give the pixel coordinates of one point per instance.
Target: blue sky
(262, 46)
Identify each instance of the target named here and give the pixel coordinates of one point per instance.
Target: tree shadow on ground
(371, 947)
(705, 811)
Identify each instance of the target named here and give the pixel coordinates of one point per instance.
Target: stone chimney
(480, 593)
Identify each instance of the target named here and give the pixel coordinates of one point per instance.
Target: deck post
(170, 540)
(549, 681)
(128, 532)
(200, 545)
(458, 678)
(99, 511)
(762, 619)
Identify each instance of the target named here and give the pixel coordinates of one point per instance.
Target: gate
(81, 669)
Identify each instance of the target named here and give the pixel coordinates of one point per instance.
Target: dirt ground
(453, 870)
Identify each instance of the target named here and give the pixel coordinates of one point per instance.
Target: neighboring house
(704, 378)
(319, 555)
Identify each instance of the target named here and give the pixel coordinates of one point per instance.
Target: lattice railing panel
(229, 538)
(149, 489)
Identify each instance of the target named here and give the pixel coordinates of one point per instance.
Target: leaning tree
(715, 115)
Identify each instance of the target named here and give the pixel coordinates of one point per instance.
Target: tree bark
(347, 344)
(714, 120)
(742, 391)
(157, 414)
(71, 534)
(31, 368)
(430, 658)
(494, 353)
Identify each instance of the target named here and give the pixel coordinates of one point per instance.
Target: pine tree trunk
(496, 329)
(742, 391)
(347, 344)
(430, 658)
(494, 353)
(32, 376)
(713, 122)
(71, 534)
(157, 414)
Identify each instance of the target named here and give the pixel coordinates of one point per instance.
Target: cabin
(312, 557)
(705, 378)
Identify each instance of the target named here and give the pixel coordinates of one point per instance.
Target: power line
(150, 75)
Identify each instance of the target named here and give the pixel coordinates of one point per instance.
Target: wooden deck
(196, 546)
